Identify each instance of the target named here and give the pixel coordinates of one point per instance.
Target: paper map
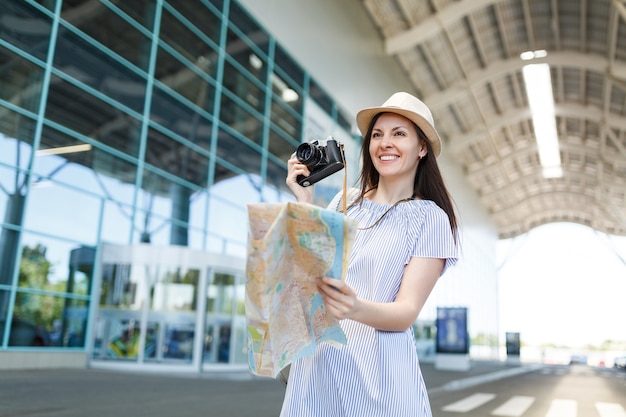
(290, 246)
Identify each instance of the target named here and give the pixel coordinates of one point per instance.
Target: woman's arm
(419, 279)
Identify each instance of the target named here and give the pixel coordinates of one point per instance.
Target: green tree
(35, 269)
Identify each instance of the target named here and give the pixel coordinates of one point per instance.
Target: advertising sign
(512, 343)
(452, 336)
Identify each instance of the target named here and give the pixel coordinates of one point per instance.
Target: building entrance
(169, 306)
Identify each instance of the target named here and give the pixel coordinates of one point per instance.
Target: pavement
(106, 393)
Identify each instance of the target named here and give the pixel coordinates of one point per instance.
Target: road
(526, 391)
(551, 391)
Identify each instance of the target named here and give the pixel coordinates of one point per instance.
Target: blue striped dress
(377, 373)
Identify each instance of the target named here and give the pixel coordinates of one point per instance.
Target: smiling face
(395, 147)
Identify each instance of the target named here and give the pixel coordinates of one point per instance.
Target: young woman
(407, 238)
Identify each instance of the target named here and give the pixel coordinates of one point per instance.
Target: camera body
(321, 159)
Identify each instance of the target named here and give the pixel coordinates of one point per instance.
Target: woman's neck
(386, 194)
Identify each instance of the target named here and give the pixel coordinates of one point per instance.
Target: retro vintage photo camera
(321, 159)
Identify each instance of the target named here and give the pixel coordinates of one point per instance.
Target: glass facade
(150, 124)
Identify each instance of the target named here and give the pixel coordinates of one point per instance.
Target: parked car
(620, 362)
(578, 360)
(26, 333)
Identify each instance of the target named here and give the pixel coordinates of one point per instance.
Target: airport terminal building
(133, 135)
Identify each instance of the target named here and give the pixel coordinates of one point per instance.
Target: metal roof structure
(463, 59)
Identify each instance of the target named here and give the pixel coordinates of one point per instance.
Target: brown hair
(428, 183)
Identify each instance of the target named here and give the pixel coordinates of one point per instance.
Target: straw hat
(408, 106)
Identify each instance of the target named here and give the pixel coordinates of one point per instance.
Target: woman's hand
(294, 169)
(418, 280)
(340, 299)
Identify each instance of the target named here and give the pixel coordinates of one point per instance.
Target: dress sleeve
(434, 238)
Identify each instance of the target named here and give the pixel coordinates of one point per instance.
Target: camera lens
(308, 154)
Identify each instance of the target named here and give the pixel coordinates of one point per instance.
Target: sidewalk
(100, 393)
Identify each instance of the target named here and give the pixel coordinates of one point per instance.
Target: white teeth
(387, 157)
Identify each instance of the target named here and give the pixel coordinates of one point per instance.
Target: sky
(563, 283)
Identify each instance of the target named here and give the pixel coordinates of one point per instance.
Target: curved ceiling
(463, 59)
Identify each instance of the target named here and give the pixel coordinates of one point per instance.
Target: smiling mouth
(388, 157)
